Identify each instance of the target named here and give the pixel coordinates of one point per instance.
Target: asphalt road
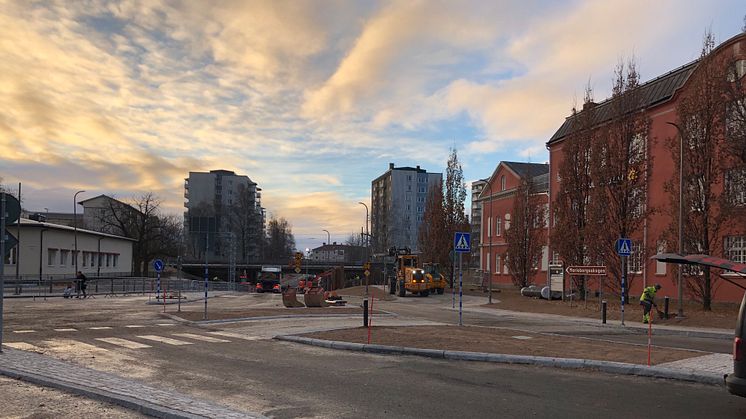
(247, 370)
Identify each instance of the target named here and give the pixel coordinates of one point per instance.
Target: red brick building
(497, 198)
(661, 97)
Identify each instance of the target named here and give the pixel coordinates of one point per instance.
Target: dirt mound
(359, 291)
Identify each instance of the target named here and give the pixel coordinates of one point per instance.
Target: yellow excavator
(409, 276)
(435, 278)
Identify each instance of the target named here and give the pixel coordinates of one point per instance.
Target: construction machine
(436, 279)
(409, 276)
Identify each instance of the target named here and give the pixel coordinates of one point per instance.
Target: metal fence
(54, 286)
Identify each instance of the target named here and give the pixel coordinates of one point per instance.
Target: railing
(54, 286)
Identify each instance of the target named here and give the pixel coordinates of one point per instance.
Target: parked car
(268, 285)
(736, 382)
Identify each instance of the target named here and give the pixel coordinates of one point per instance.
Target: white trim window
(507, 222)
(51, 256)
(497, 263)
(487, 262)
(660, 267)
(634, 261)
(735, 248)
(498, 225)
(735, 186)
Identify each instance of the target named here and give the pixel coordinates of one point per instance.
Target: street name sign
(586, 270)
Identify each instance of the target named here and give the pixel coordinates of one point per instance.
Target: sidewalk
(134, 395)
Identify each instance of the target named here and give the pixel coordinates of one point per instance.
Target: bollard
(365, 313)
(603, 312)
(665, 307)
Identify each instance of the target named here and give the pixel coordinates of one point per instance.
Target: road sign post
(10, 210)
(158, 266)
(624, 249)
(461, 245)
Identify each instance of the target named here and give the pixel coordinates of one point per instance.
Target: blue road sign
(158, 265)
(462, 242)
(624, 247)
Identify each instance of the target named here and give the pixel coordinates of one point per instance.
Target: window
(637, 149)
(498, 225)
(637, 202)
(108, 260)
(505, 266)
(85, 259)
(737, 71)
(63, 257)
(12, 256)
(507, 222)
(502, 182)
(100, 259)
(544, 258)
(497, 263)
(660, 267)
(409, 178)
(735, 119)
(115, 260)
(489, 227)
(420, 208)
(634, 261)
(487, 261)
(51, 256)
(735, 186)
(556, 258)
(735, 248)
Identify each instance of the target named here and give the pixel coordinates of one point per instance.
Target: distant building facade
(398, 201)
(338, 253)
(224, 216)
(102, 213)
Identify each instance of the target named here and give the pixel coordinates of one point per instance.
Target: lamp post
(680, 313)
(489, 232)
(75, 228)
(367, 236)
(328, 242)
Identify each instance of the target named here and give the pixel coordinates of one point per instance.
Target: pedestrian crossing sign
(624, 247)
(462, 242)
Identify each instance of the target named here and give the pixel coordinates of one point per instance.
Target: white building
(47, 249)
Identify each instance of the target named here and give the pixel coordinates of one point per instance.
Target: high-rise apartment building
(476, 219)
(224, 216)
(398, 201)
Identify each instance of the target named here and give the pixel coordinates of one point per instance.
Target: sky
(310, 99)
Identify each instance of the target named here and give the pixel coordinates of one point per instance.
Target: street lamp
(328, 241)
(680, 313)
(75, 228)
(367, 235)
(489, 262)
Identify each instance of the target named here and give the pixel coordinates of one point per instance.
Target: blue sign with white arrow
(462, 242)
(624, 247)
(158, 265)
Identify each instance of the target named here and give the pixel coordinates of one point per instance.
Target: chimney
(589, 105)
(391, 166)
(418, 168)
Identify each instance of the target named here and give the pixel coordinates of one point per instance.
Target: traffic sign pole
(461, 245)
(2, 264)
(460, 289)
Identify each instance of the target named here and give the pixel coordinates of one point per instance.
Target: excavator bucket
(289, 298)
(314, 297)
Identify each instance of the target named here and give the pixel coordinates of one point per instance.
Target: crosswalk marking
(165, 340)
(124, 342)
(66, 330)
(24, 331)
(133, 326)
(200, 337)
(24, 346)
(236, 335)
(100, 328)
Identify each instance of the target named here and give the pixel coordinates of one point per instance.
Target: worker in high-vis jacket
(647, 301)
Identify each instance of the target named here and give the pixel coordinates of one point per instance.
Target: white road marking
(124, 342)
(100, 328)
(200, 337)
(522, 337)
(165, 340)
(24, 331)
(24, 346)
(66, 330)
(238, 336)
(132, 326)
(165, 324)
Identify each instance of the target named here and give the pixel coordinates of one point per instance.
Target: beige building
(47, 249)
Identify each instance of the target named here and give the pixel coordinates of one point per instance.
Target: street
(240, 366)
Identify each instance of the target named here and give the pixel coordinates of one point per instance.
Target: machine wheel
(441, 291)
(425, 293)
(402, 290)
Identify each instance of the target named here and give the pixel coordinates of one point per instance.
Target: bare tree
(700, 113)
(433, 238)
(620, 171)
(355, 239)
(572, 232)
(525, 236)
(280, 243)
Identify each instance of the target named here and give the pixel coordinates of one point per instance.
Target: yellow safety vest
(648, 294)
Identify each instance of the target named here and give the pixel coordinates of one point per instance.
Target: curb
(262, 318)
(610, 367)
